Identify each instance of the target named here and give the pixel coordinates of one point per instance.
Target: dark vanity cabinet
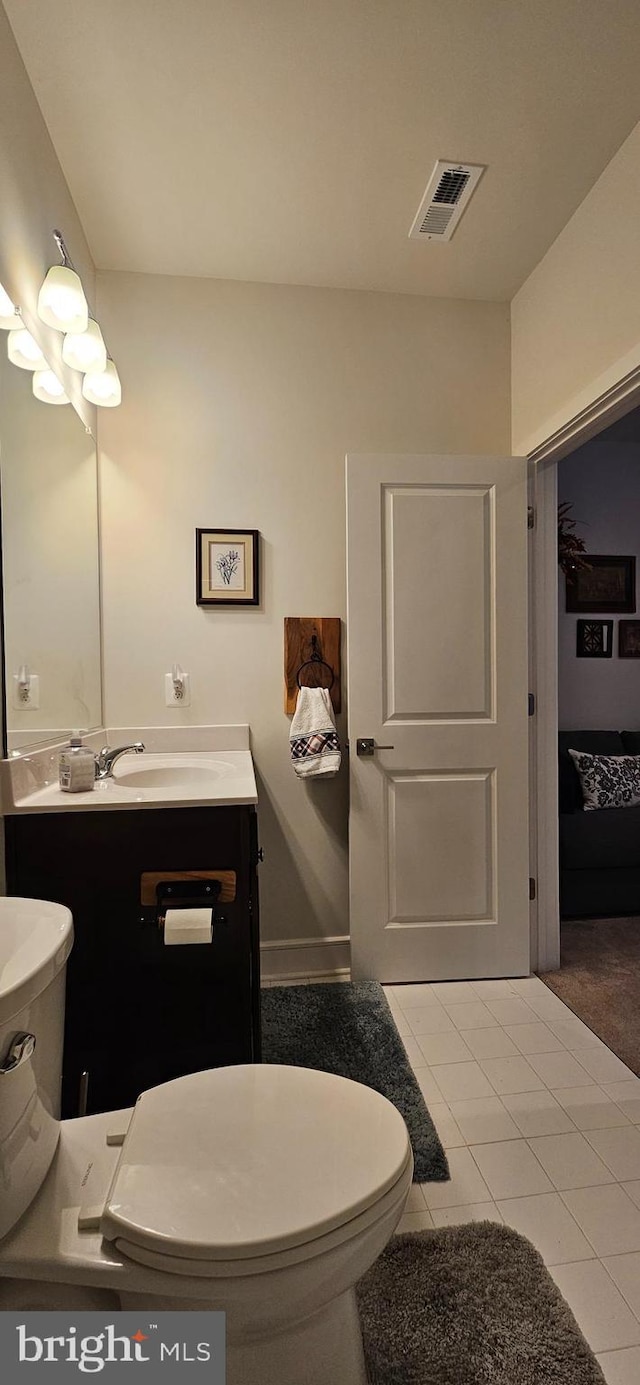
(139, 1012)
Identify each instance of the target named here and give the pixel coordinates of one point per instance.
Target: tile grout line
(635, 1311)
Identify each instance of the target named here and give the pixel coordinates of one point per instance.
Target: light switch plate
(170, 693)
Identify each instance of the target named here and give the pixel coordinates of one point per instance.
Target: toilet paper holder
(186, 894)
(194, 889)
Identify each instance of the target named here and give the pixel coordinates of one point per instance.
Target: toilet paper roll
(188, 926)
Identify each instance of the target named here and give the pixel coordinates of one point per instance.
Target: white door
(437, 669)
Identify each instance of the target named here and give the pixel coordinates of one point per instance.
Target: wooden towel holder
(150, 879)
(312, 651)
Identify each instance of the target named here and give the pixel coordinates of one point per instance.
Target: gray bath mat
(469, 1305)
(347, 1028)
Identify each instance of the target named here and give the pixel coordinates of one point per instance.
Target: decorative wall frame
(607, 585)
(227, 567)
(594, 639)
(629, 639)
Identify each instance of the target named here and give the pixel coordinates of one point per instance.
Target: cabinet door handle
(19, 1051)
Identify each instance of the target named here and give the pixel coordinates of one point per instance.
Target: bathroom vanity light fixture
(9, 315)
(23, 350)
(47, 387)
(85, 351)
(61, 301)
(102, 387)
(62, 304)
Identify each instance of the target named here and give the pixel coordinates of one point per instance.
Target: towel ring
(316, 658)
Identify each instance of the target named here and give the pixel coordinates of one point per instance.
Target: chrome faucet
(107, 758)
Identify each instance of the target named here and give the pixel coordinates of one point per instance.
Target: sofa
(600, 849)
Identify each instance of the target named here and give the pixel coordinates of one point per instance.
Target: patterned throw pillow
(608, 781)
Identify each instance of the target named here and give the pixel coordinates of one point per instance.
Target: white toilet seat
(263, 1264)
(259, 1164)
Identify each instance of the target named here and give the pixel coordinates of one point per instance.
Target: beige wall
(240, 402)
(34, 199)
(575, 321)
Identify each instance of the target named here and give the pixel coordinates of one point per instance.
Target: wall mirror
(50, 565)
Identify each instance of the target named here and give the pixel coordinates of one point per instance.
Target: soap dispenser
(77, 769)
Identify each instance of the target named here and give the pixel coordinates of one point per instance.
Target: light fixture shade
(23, 350)
(102, 387)
(85, 350)
(61, 300)
(9, 317)
(47, 387)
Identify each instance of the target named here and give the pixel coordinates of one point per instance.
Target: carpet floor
(469, 1305)
(347, 1028)
(599, 979)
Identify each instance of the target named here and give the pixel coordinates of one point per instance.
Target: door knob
(365, 745)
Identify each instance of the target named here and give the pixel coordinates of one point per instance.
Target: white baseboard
(290, 959)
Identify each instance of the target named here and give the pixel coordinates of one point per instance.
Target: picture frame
(629, 639)
(594, 639)
(227, 567)
(608, 584)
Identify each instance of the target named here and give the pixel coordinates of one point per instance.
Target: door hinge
(532, 887)
(531, 517)
(532, 704)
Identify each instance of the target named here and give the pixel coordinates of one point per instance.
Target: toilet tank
(35, 941)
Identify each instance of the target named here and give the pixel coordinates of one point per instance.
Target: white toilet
(262, 1191)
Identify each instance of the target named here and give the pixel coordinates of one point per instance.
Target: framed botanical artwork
(608, 584)
(629, 639)
(227, 567)
(594, 639)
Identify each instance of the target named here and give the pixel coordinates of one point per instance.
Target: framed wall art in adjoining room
(629, 639)
(594, 639)
(608, 584)
(227, 567)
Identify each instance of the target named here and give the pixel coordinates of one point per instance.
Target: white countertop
(175, 771)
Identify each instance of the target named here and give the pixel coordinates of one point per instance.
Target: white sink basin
(160, 771)
(36, 938)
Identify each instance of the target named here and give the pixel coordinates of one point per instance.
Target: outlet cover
(171, 700)
(31, 702)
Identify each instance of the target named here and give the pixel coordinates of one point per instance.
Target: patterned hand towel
(315, 748)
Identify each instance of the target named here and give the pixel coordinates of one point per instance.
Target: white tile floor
(541, 1124)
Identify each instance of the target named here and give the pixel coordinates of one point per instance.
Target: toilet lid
(246, 1161)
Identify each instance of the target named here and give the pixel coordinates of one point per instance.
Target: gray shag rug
(347, 1028)
(469, 1305)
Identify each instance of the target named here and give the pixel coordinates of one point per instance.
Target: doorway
(598, 663)
(401, 719)
(612, 421)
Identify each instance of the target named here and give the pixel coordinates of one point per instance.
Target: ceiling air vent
(448, 192)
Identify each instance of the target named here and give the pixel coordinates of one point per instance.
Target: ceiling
(291, 142)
